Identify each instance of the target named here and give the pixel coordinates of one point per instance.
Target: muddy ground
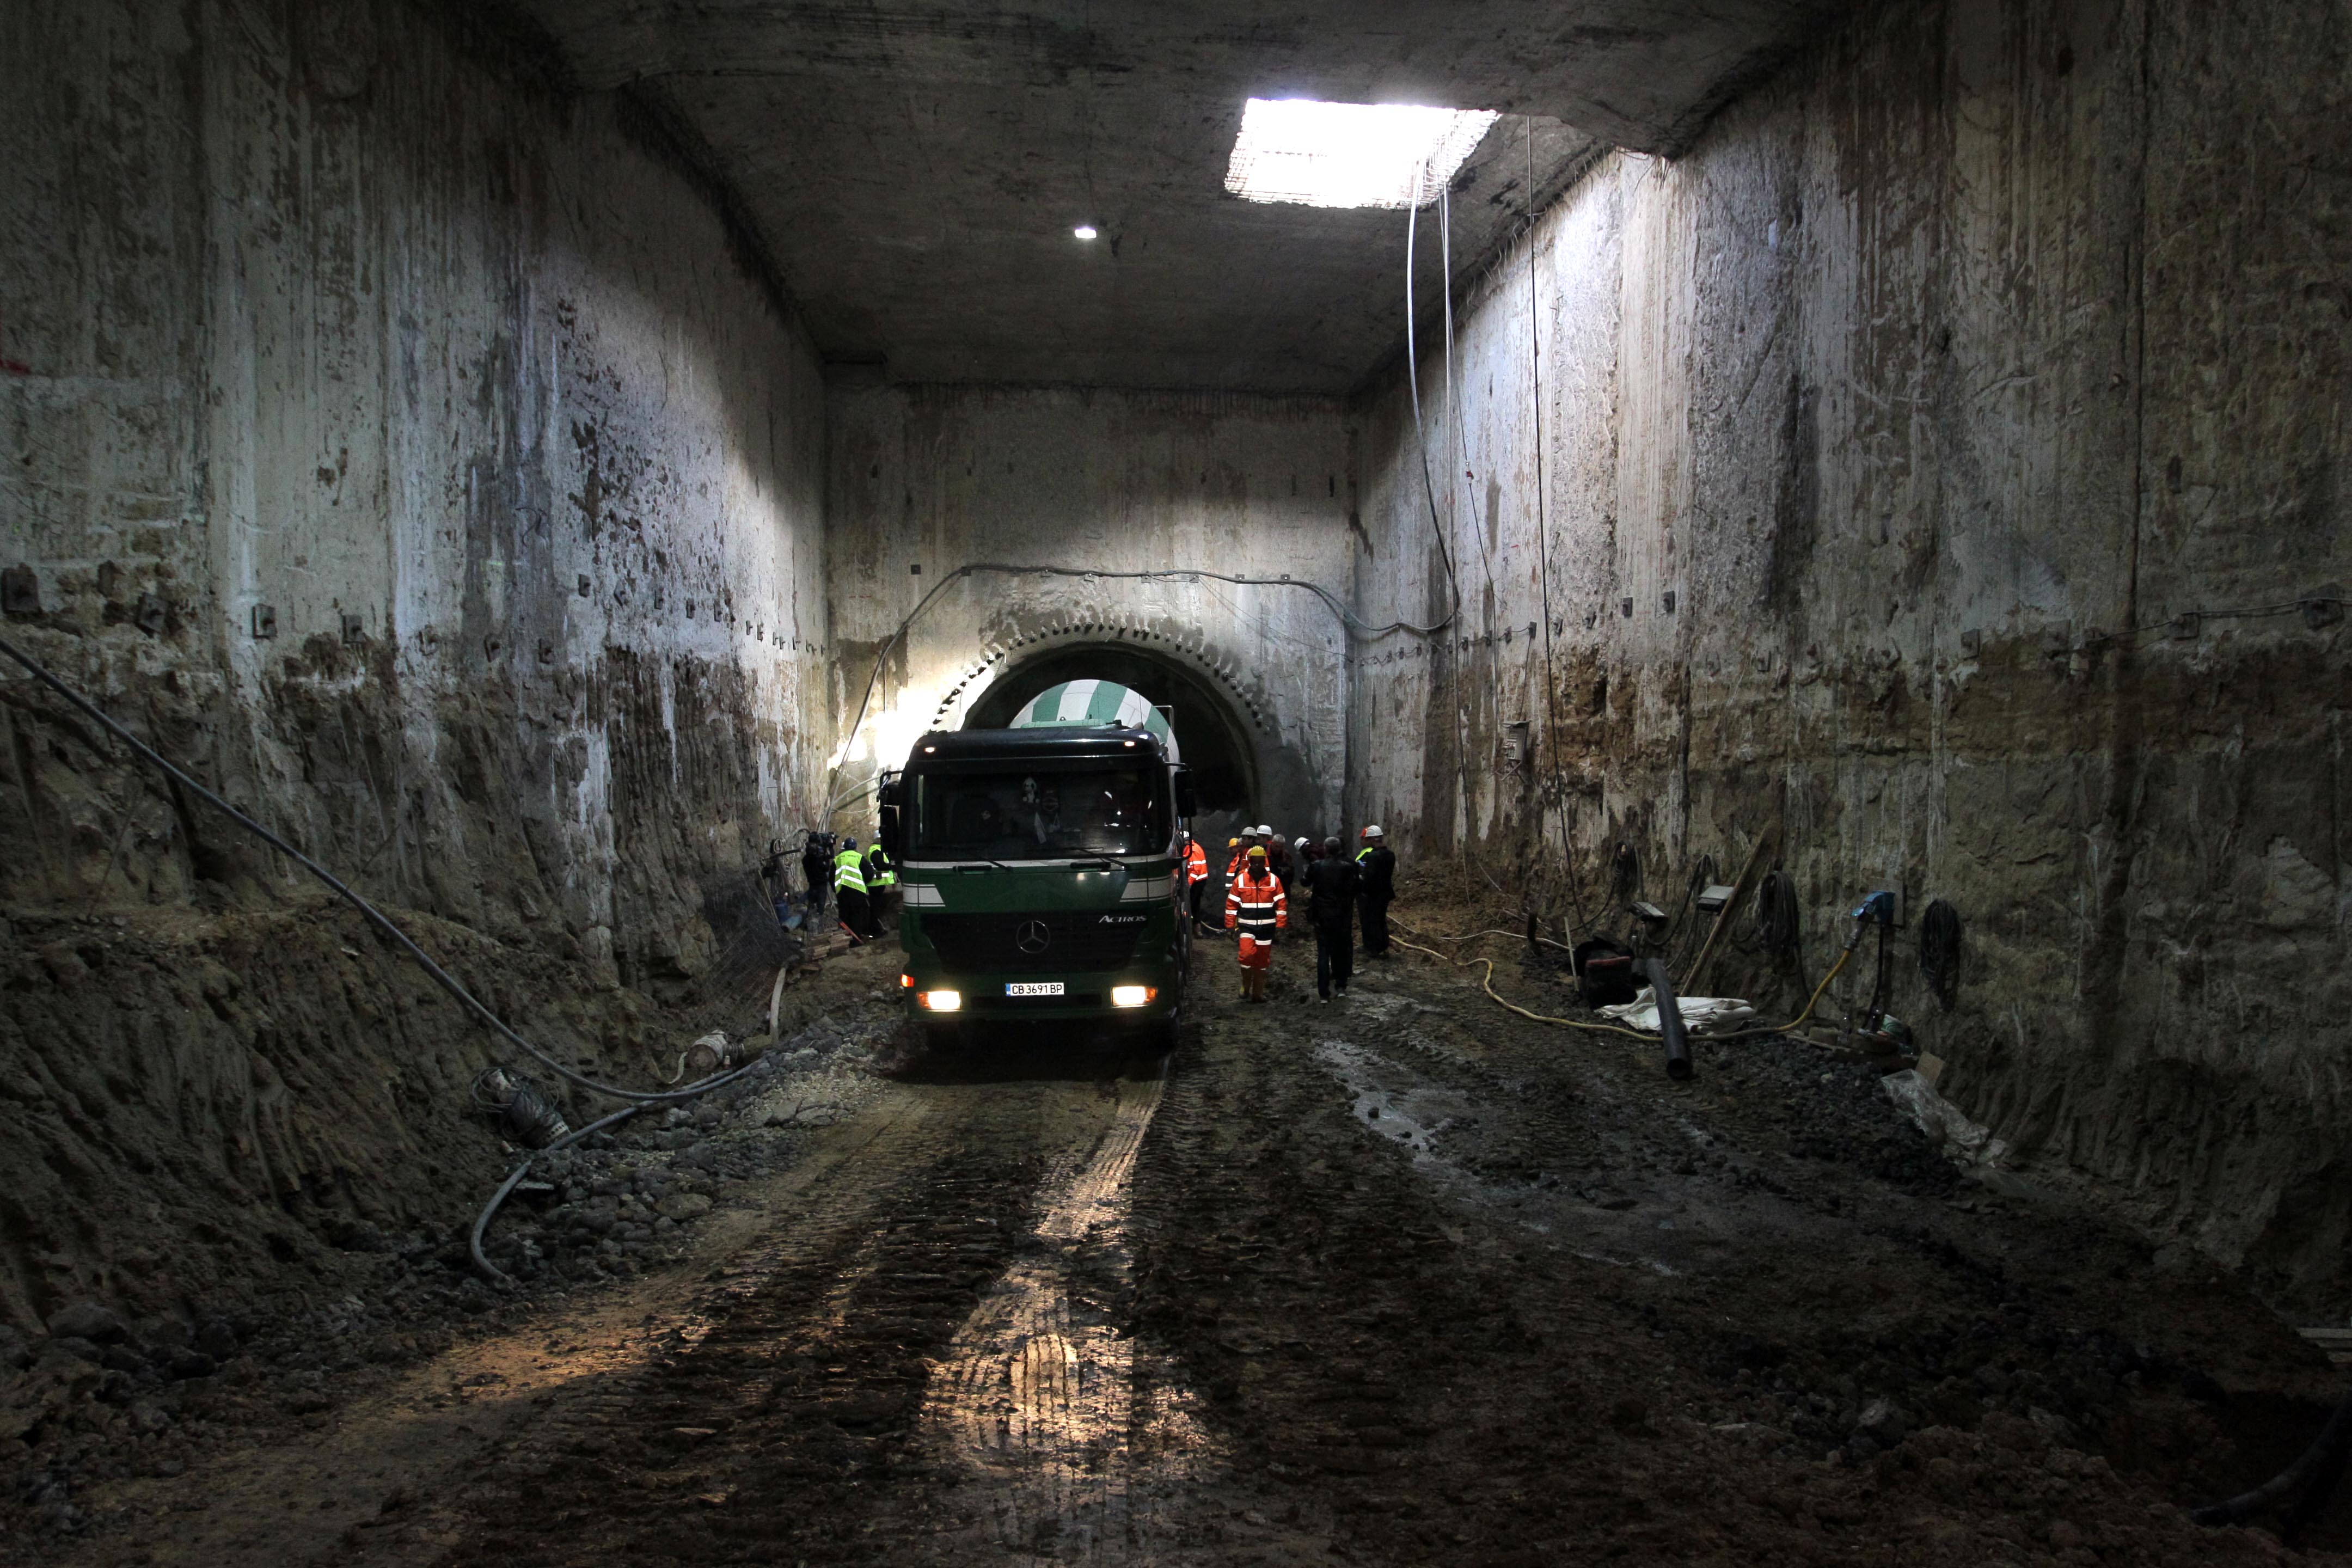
(1402, 1278)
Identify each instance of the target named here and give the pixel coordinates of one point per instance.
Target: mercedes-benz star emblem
(1033, 937)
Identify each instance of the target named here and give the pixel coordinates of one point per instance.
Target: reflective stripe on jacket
(878, 869)
(849, 871)
(1257, 904)
(1196, 864)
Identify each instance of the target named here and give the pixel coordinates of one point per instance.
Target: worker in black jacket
(1377, 863)
(1333, 882)
(816, 864)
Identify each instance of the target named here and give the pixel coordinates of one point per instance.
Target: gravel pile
(1832, 1111)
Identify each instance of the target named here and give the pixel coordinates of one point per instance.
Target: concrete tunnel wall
(361, 320)
(1882, 436)
(944, 477)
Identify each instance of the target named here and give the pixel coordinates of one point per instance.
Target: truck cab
(1039, 878)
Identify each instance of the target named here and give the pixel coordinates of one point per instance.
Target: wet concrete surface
(1398, 1279)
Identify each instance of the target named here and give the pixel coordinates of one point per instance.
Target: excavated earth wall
(412, 449)
(1890, 444)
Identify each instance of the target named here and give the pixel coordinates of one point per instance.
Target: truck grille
(1036, 1004)
(1008, 944)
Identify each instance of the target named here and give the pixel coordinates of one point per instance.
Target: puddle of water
(1410, 1116)
(1392, 1101)
(1075, 1441)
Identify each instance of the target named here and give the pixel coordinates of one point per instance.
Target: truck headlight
(1132, 995)
(940, 1000)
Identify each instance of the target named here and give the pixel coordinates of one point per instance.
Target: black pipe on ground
(2320, 1464)
(1669, 1019)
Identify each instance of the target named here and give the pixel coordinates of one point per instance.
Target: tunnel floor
(1398, 1279)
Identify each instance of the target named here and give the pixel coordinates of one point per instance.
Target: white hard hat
(1299, 842)
(1374, 832)
(1265, 830)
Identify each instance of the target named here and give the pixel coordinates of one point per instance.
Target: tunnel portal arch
(1219, 747)
(1247, 742)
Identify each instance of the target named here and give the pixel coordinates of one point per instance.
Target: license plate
(1032, 988)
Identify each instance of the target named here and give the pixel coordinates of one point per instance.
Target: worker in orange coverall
(1256, 907)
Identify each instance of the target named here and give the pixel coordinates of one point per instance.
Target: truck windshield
(1040, 814)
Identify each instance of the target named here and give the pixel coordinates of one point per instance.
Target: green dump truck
(1039, 877)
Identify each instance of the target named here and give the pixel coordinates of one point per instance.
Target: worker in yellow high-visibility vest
(849, 892)
(881, 883)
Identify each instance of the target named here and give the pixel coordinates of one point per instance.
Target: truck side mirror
(893, 826)
(1184, 784)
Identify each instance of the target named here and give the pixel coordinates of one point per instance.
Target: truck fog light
(941, 1000)
(904, 980)
(1132, 995)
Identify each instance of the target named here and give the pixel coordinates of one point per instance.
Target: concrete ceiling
(916, 170)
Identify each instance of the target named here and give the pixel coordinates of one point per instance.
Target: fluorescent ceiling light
(1350, 154)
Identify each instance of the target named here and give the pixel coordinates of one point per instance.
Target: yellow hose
(1810, 1004)
(1515, 936)
(1487, 983)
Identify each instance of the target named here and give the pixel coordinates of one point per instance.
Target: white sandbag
(1701, 1014)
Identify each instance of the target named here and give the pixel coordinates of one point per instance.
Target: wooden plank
(1740, 890)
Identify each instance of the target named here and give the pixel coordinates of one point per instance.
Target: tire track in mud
(926, 1363)
(794, 1388)
(1077, 1441)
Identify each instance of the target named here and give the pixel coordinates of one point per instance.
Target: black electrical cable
(1543, 549)
(482, 1264)
(1413, 383)
(2326, 1477)
(2315, 1463)
(376, 917)
(1454, 397)
(1777, 914)
(1625, 871)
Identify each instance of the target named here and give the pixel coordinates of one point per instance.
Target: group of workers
(1260, 871)
(1259, 875)
(862, 885)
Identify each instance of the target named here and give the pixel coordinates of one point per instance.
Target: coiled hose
(1940, 948)
(1776, 913)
